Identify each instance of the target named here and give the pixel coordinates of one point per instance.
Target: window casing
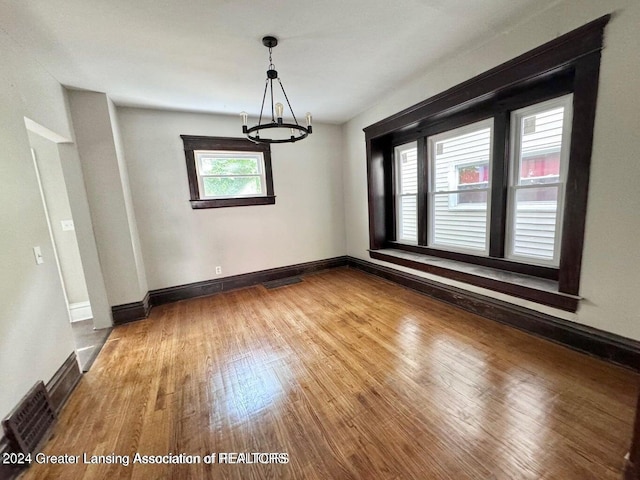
(563, 72)
(228, 172)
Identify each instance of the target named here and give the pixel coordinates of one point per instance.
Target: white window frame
(431, 145)
(565, 101)
(259, 156)
(397, 158)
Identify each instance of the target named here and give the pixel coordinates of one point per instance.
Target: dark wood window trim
(193, 142)
(568, 64)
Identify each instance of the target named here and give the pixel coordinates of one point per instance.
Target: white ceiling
(335, 57)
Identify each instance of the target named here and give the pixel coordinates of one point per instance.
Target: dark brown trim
(64, 381)
(631, 472)
(607, 346)
(632, 460)
(499, 185)
(233, 202)
(378, 174)
(499, 263)
(195, 142)
(544, 297)
(209, 287)
(59, 388)
(7, 471)
(548, 57)
(130, 312)
(423, 191)
(575, 211)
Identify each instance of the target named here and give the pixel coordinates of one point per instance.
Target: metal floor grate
(29, 424)
(281, 283)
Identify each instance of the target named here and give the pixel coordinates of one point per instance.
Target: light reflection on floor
(251, 385)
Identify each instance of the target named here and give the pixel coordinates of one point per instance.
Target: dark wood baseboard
(60, 387)
(630, 471)
(134, 311)
(209, 287)
(130, 312)
(607, 346)
(64, 381)
(7, 472)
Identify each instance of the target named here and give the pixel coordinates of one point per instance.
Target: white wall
(35, 335)
(79, 204)
(57, 200)
(106, 180)
(610, 279)
(182, 245)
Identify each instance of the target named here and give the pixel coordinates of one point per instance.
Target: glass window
(459, 170)
(540, 137)
(230, 174)
(406, 160)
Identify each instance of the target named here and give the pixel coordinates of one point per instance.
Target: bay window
(487, 182)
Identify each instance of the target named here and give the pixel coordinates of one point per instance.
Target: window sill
(233, 202)
(538, 290)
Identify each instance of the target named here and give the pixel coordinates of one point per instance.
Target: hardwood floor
(354, 378)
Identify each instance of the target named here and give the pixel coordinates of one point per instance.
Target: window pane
(465, 229)
(408, 223)
(460, 164)
(462, 161)
(537, 183)
(231, 186)
(214, 165)
(409, 171)
(535, 222)
(406, 167)
(540, 145)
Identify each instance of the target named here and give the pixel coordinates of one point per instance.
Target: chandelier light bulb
(279, 110)
(308, 119)
(245, 117)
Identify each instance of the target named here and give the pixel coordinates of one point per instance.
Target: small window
(228, 172)
(406, 158)
(459, 169)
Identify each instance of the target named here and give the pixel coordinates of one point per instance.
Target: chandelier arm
(287, 99)
(264, 96)
(304, 132)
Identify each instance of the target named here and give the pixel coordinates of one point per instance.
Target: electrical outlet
(218, 270)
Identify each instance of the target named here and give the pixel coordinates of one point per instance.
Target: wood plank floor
(354, 378)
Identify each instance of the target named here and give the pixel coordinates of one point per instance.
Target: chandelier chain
(271, 65)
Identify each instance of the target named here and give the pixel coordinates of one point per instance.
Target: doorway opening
(88, 340)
